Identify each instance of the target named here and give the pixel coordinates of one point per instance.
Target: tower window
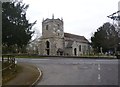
(47, 47)
(58, 26)
(46, 27)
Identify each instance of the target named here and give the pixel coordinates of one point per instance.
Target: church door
(75, 51)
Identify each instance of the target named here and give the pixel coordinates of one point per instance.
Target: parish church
(54, 41)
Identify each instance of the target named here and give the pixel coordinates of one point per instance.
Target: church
(55, 42)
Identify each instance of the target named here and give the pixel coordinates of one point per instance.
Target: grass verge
(29, 56)
(10, 74)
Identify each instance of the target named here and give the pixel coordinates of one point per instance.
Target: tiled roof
(68, 35)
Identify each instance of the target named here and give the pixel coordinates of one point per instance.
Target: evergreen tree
(16, 29)
(106, 37)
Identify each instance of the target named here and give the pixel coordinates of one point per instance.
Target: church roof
(69, 45)
(75, 37)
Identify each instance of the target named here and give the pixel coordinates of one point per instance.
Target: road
(71, 71)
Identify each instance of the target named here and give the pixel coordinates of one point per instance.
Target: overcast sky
(81, 17)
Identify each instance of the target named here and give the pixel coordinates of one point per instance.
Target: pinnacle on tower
(43, 19)
(52, 16)
(61, 18)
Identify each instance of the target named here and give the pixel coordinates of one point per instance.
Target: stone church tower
(52, 40)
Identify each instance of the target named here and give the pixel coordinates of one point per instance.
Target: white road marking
(99, 77)
(40, 74)
(98, 66)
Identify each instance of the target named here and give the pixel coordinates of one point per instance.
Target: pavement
(29, 75)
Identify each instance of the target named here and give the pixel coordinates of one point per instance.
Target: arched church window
(80, 48)
(47, 44)
(47, 47)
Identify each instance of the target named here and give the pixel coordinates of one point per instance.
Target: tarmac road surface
(72, 71)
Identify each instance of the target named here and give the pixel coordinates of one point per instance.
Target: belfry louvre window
(58, 26)
(47, 27)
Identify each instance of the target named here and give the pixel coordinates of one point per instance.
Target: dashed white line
(99, 77)
(98, 66)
